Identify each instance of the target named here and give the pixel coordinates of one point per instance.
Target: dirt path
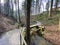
(52, 34)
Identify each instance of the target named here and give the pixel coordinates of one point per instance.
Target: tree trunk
(12, 8)
(50, 11)
(0, 6)
(19, 12)
(8, 5)
(56, 5)
(37, 2)
(39, 5)
(15, 1)
(28, 21)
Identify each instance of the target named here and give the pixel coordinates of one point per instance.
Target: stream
(13, 38)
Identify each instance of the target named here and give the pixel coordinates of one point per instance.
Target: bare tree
(19, 13)
(6, 7)
(12, 8)
(0, 6)
(39, 5)
(33, 6)
(47, 5)
(15, 1)
(37, 2)
(56, 5)
(50, 11)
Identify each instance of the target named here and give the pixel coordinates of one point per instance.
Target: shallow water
(40, 41)
(10, 38)
(13, 38)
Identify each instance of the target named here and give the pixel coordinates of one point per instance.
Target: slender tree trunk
(39, 5)
(56, 5)
(19, 19)
(28, 21)
(37, 2)
(19, 13)
(15, 1)
(12, 7)
(0, 6)
(50, 11)
(8, 5)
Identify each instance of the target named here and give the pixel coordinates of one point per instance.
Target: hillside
(54, 20)
(6, 23)
(43, 17)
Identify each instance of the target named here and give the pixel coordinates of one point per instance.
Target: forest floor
(52, 34)
(6, 24)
